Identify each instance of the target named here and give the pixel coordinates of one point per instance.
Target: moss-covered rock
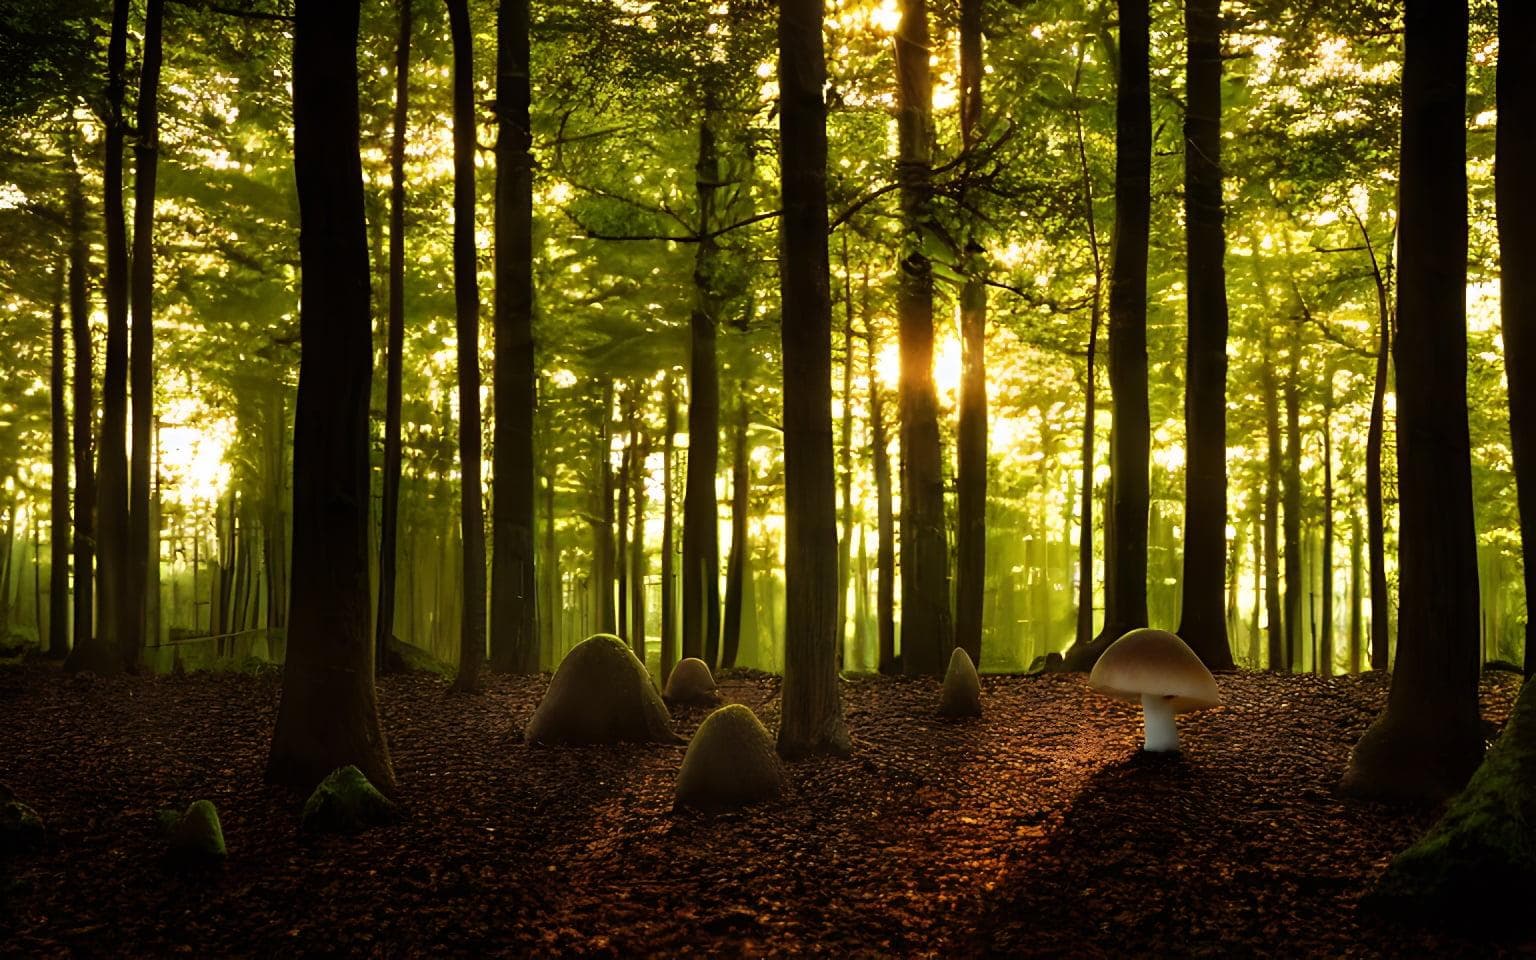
(601, 694)
(961, 696)
(21, 829)
(195, 835)
(345, 802)
(402, 657)
(691, 682)
(1477, 865)
(730, 763)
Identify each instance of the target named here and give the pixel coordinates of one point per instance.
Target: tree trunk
(514, 612)
(1292, 474)
(84, 406)
(1202, 620)
(602, 539)
(927, 631)
(668, 575)
(1255, 632)
(1325, 628)
(1381, 601)
(736, 560)
(621, 531)
(1125, 529)
(114, 611)
(58, 486)
(1090, 386)
(971, 431)
(885, 551)
(1429, 739)
(637, 542)
(554, 594)
(844, 468)
(328, 716)
(701, 515)
(1515, 190)
(812, 719)
(389, 509)
(1356, 593)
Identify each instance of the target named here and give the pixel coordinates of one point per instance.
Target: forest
(767, 477)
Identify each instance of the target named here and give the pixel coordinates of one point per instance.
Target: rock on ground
(601, 694)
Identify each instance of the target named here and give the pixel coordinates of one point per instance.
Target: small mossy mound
(402, 657)
(601, 694)
(730, 763)
(961, 696)
(345, 802)
(194, 836)
(21, 829)
(1049, 663)
(1475, 868)
(691, 682)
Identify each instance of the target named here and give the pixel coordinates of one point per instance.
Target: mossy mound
(21, 829)
(402, 657)
(730, 763)
(601, 694)
(961, 696)
(1477, 865)
(196, 835)
(691, 682)
(345, 802)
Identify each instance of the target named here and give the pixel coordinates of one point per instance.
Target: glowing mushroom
(1158, 669)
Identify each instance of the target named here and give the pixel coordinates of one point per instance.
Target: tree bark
(736, 560)
(637, 541)
(885, 551)
(844, 466)
(701, 514)
(1084, 635)
(1381, 601)
(668, 542)
(58, 484)
(1125, 532)
(927, 630)
(389, 509)
(603, 559)
(328, 715)
(1292, 476)
(1429, 739)
(1356, 592)
(1515, 192)
(1325, 628)
(83, 413)
(812, 720)
(514, 611)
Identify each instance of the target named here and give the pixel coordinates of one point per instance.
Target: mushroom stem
(1162, 735)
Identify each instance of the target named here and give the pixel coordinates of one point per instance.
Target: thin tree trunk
(390, 507)
(1325, 628)
(602, 542)
(328, 715)
(466, 289)
(668, 543)
(1294, 585)
(1090, 386)
(1125, 529)
(736, 560)
(58, 484)
(885, 551)
(927, 630)
(1515, 190)
(1381, 603)
(701, 514)
(637, 543)
(621, 531)
(845, 465)
(812, 720)
(1356, 606)
(1255, 632)
(1429, 739)
(84, 406)
(514, 612)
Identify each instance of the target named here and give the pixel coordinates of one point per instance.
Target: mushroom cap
(1155, 662)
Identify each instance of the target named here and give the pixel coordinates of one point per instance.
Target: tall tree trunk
(1325, 628)
(1294, 586)
(845, 465)
(389, 509)
(146, 152)
(637, 542)
(1202, 620)
(1273, 462)
(1356, 593)
(668, 543)
(1090, 386)
(328, 716)
(58, 485)
(602, 535)
(736, 560)
(885, 551)
(621, 531)
(114, 611)
(971, 431)
(927, 630)
(812, 708)
(1429, 739)
(554, 594)
(1125, 529)
(514, 612)
(1515, 190)
(1381, 601)
(466, 297)
(84, 406)
(701, 515)
(1255, 632)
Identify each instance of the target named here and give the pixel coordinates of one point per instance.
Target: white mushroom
(1159, 670)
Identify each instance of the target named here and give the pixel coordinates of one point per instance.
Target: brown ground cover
(1036, 830)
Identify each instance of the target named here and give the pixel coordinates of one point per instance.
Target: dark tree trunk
(1272, 462)
(736, 560)
(701, 537)
(146, 151)
(1325, 628)
(466, 301)
(637, 543)
(812, 719)
(1125, 529)
(82, 415)
(58, 485)
(844, 467)
(621, 531)
(603, 560)
(885, 520)
(1202, 620)
(927, 630)
(971, 431)
(668, 543)
(1515, 189)
(1356, 592)
(1090, 385)
(328, 716)
(1381, 601)
(114, 611)
(1429, 739)
(389, 509)
(1294, 587)
(514, 612)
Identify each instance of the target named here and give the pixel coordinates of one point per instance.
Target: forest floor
(1037, 830)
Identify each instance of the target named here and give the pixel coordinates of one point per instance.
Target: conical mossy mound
(195, 835)
(730, 763)
(345, 802)
(21, 829)
(1475, 868)
(691, 682)
(601, 693)
(961, 696)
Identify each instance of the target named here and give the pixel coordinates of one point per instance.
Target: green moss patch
(345, 802)
(195, 835)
